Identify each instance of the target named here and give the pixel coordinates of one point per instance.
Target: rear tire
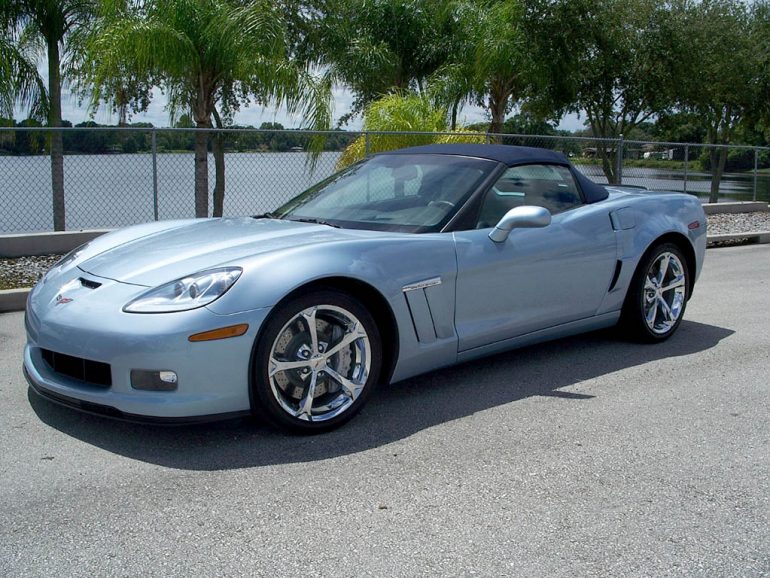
(317, 362)
(657, 295)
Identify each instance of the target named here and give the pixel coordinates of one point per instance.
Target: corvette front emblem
(62, 300)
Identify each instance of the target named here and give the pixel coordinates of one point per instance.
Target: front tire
(657, 296)
(317, 361)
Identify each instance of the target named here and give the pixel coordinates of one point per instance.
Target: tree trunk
(219, 168)
(201, 171)
(718, 159)
(608, 157)
(122, 114)
(57, 141)
(718, 133)
(497, 112)
(498, 103)
(455, 107)
(608, 163)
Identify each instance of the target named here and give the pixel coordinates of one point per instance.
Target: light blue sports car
(403, 263)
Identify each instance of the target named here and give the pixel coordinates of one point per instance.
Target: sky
(253, 115)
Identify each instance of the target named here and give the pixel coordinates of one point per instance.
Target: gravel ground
(25, 271)
(726, 223)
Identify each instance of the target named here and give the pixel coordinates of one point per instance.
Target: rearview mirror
(405, 173)
(520, 218)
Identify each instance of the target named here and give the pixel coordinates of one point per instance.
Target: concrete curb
(736, 207)
(31, 244)
(53, 243)
(13, 299)
(750, 238)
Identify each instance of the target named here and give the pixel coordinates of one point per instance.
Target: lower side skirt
(558, 332)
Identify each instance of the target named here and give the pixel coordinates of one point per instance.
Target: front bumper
(213, 376)
(115, 413)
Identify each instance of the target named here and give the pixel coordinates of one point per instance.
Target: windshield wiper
(315, 221)
(264, 216)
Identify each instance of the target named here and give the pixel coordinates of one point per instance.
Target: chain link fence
(118, 177)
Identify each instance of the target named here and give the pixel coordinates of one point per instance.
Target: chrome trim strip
(422, 284)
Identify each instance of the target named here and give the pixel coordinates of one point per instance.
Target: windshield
(410, 193)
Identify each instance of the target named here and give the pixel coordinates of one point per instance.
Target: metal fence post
(686, 165)
(366, 144)
(619, 161)
(756, 165)
(154, 174)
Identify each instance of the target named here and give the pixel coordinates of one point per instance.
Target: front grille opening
(91, 372)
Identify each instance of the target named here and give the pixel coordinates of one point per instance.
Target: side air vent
(419, 309)
(616, 276)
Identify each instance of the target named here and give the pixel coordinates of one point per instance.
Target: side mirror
(520, 218)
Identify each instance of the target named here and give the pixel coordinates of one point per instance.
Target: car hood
(200, 244)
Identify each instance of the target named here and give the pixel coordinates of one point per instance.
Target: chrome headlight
(190, 292)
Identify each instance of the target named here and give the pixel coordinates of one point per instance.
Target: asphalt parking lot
(586, 456)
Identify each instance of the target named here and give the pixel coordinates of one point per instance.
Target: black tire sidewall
(262, 394)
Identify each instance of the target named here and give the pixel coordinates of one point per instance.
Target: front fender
(424, 315)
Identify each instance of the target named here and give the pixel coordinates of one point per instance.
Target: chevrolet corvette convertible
(408, 261)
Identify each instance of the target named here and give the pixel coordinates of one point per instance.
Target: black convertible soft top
(510, 156)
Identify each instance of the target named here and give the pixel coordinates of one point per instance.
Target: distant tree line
(269, 137)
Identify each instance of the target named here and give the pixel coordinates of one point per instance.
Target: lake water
(733, 187)
(117, 190)
(105, 191)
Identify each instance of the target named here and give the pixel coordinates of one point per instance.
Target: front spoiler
(114, 413)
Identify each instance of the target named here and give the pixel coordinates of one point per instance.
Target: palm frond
(414, 117)
(20, 83)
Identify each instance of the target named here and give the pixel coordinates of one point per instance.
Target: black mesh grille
(91, 372)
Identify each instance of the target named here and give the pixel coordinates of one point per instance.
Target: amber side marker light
(694, 225)
(221, 333)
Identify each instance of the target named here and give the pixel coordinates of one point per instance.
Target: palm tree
(491, 64)
(208, 53)
(411, 114)
(50, 21)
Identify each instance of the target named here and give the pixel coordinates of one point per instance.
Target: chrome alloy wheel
(664, 294)
(319, 363)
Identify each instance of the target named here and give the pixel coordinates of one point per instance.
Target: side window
(549, 186)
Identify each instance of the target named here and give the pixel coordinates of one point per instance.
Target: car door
(537, 278)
